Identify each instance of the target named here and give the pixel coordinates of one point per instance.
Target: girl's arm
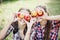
(7, 29)
(57, 17)
(4, 32)
(27, 36)
(29, 26)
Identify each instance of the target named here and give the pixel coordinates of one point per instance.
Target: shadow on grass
(7, 1)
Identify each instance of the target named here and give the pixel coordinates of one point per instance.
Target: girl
(45, 28)
(19, 27)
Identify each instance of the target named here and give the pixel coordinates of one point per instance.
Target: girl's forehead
(24, 12)
(39, 9)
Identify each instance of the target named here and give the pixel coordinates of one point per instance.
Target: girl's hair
(47, 26)
(15, 26)
(24, 9)
(44, 7)
(25, 30)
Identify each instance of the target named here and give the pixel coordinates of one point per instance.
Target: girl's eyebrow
(25, 11)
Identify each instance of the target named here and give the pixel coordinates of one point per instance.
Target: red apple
(40, 13)
(18, 15)
(27, 18)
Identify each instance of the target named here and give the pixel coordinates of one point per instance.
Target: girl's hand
(29, 24)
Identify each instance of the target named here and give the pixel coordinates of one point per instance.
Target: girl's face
(41, 10)
(23, 12)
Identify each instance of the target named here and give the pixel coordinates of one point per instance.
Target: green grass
(8, 8)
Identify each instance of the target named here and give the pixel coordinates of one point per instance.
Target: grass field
(8, 8)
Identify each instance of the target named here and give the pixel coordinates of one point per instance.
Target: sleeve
(8, 31)
(32, 37)
(54, 30)
(13, 27)
(34, 31)
(57, 23)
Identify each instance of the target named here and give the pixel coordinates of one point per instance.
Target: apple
(27, 18)
(40, 13)
(33, 14)
(20, 16)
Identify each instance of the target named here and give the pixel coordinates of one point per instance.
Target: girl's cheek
(39, 19)
(21, 21)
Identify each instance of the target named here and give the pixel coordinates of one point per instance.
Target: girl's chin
(40, 20)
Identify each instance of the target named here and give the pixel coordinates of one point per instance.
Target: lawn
(9, 8)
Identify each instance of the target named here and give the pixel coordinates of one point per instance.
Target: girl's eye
(27, 18)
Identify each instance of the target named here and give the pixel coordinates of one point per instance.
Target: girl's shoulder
(56, 22)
